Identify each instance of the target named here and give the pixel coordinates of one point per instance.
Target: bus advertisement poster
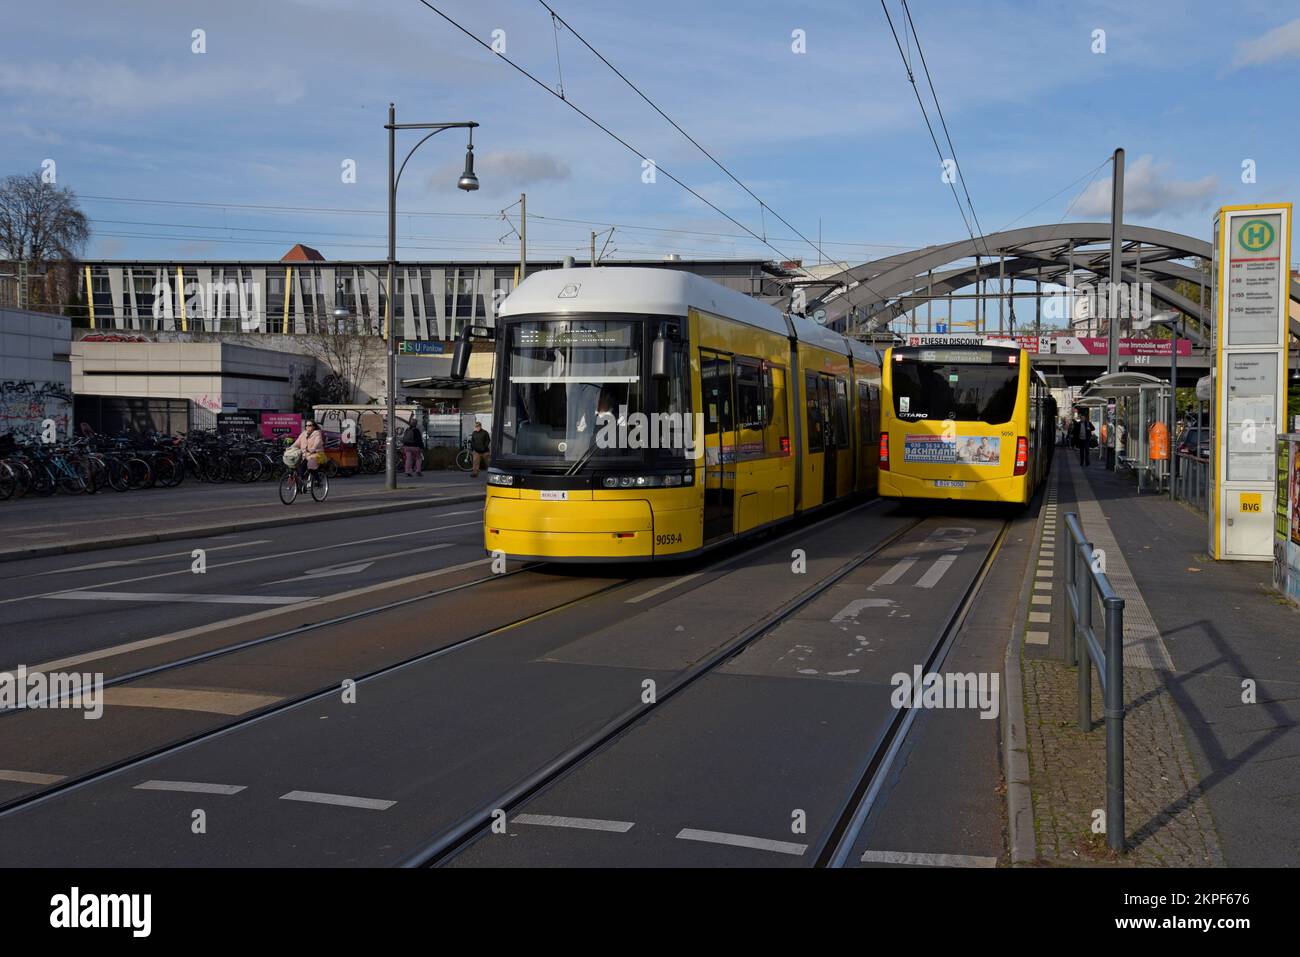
(963, 450)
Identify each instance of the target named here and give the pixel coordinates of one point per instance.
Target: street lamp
(468, 182)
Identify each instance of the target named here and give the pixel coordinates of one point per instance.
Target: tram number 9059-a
(671, 538)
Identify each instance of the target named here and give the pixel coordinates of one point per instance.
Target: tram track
(445, 846)
(727, 560)
(838, 846)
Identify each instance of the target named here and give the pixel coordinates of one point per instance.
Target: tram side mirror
(460, 355)
(659, 357)
(460, 358)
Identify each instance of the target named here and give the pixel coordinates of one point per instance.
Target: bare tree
(350, 356)
(41, 226)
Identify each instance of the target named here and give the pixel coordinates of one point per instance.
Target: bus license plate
(555, 496)
(949, 483)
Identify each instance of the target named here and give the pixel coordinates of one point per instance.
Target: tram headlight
(500, 478)
(674, 480)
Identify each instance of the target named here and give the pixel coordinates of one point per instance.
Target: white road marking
(1040, 617)
(1044, 572)
(1042, 599)
(895, 573)
(190, 787)
(660, 589)
(256, 558)
(188, 699)
(1046, 586)
(30, 777)
(741, 840)
(937, 570)
(1036, 638)
(353, 567)
(343, 800)
(586, 823)
(61, 664)
(176, 597)
(149, 558)
(858, 604)
(928, 860)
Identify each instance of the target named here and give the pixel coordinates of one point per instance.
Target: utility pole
(390, 459)
(523, 237)
(593, 247)
(1116, 224)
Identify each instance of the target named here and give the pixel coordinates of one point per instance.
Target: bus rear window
(962, 391)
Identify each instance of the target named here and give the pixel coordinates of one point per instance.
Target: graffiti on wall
(25, 404)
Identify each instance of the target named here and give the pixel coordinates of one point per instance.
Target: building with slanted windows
(433, 300)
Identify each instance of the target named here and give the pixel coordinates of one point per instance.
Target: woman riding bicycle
(311, 442)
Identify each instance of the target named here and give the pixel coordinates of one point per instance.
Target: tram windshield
(560, 377)
(978, 386)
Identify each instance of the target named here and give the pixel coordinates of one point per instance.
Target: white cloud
(1148, 190)
(1279, 43)
(108, 86)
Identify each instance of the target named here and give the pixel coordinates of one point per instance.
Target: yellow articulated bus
(964, 422)
(647, 413)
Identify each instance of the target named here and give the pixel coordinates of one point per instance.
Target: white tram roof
(655, 291)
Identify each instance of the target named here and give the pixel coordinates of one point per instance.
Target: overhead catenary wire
(943, 123)
(272, 208)
(763, 206)
(612, 135)
(911, 78)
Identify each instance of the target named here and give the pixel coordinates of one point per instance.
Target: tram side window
(672, 395)
(753, 395)
(778, 427)
(715, 379)
(840, 411)
(813, 411)
(864, 412)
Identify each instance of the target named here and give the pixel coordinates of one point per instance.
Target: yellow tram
(964, 422)
(648, 413)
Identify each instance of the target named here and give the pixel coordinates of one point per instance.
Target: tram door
(825, 400)
(719, 445)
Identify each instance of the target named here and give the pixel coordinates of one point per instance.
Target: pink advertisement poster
(277, 424)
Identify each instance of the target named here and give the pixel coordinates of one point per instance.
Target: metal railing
(1192, 484)
(1084, 574)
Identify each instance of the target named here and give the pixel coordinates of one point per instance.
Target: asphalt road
(461, 696)
(70, 605)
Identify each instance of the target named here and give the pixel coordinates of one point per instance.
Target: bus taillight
(884, 451)
(1022, 455)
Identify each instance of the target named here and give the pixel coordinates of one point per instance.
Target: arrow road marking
(348, 569)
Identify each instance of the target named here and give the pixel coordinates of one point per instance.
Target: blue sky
(290, 89)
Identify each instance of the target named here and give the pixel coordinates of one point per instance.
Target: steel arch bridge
(864, 299)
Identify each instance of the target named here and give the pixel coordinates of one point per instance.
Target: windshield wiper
(583, 459)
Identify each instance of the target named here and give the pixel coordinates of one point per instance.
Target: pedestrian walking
(1086, 429)
(480, 440)
(413, 450)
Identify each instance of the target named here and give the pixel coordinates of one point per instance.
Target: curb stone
(193, 531)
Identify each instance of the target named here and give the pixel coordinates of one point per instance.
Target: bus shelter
(1137, 415)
